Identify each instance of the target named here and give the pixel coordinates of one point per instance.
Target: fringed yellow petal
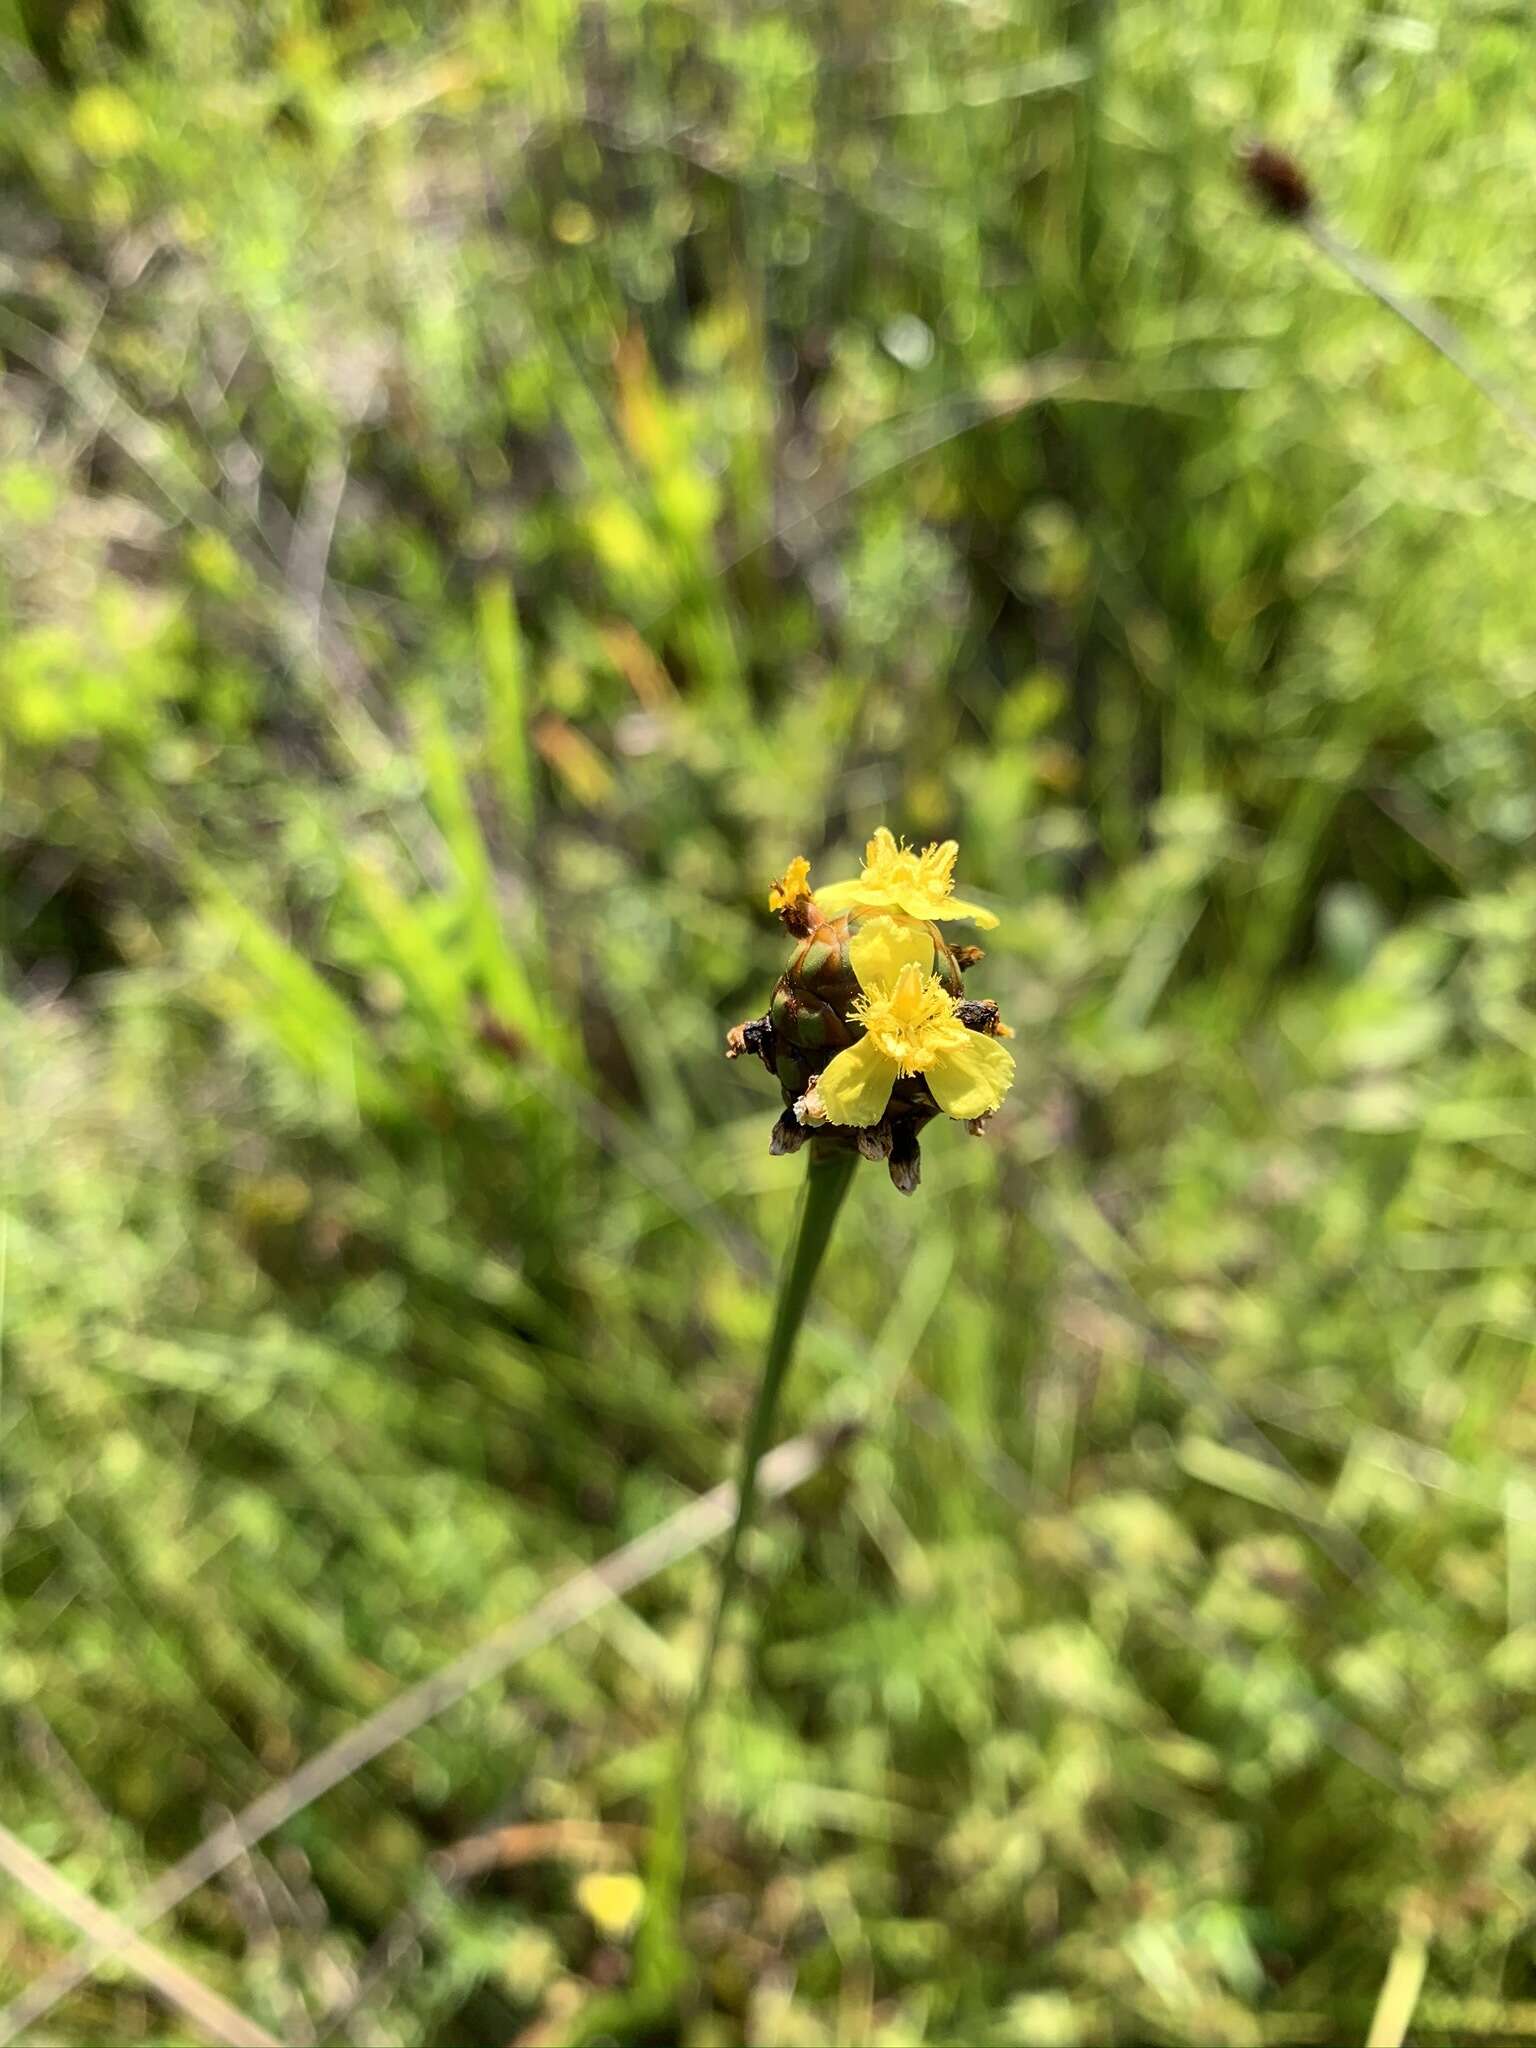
(879, 950)
(793, 886)
(855, 1087)
(837, 897)
(970, 1077)
(911, 899)
(898, 882)
(955, 906)
(936, 865)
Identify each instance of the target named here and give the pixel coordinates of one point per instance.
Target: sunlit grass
(471, 496)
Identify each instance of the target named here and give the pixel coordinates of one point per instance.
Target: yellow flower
(899, 882)
(612, 1900)
(793, 886)
(911, 1026)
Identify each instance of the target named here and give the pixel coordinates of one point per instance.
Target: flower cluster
(869, 1033)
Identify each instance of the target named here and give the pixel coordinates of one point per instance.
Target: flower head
(870, 1035)
(911, 1025)
(896, 881)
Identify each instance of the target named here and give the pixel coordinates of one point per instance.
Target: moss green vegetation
(480, 488)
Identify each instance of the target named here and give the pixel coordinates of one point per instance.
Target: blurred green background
(479, 489)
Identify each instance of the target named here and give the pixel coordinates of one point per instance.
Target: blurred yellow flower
(106, 124)
(911, 1025)
(612, 1900)
(899, 882)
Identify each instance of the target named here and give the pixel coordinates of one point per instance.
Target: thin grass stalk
(1283, 187)
(1430, 325)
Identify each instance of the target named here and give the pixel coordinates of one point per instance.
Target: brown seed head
(1276, 180)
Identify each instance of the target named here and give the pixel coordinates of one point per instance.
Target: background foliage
(479, 488)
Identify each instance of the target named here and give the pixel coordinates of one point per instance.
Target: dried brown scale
(755, 1036)
(982, 1015)
(905, 1164)
(810, 1022)
(788, 1135)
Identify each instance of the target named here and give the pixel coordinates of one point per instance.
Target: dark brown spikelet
(1276, 180)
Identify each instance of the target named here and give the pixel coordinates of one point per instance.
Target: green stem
(660, 1961)
(826, 1182)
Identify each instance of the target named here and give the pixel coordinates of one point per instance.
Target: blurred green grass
(479, 489)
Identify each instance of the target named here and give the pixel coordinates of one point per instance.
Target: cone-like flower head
(900, 883)
(870, 1035)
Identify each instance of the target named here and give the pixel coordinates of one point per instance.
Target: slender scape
(826, 1182)
(661, 1964)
